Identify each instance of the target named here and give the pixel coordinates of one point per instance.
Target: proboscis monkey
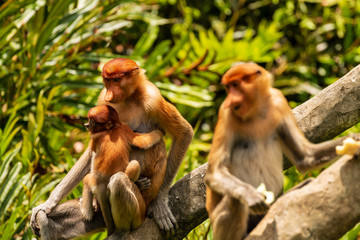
(141, 106)
(111, 141)
(255, 127)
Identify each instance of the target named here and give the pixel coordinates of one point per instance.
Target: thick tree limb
(333, 199)
(332, 111)
(187, 202)
(326, 208)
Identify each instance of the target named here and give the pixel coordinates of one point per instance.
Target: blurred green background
(51, 54)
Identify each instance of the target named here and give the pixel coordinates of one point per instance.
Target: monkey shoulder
(279, 101)
(151, 96)
(160, 112)
(279, 108)
(117, 138)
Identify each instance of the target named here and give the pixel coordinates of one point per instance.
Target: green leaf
(197, 92)
(10, 124)
(68, 158)
(146, 41)
(59, 8)
(81, 84)
(112, 26)
(10, 187)
(8, 226)
(353, 234)
(157, 55)
(172, 54)
(45, 35)
(9, 132)
(26, 150)
(30, 11)
(5, 142)
(40, 114)
(5, 166)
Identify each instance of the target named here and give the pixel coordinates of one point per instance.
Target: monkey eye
(234, 84)
(116, 79)
(107, 79)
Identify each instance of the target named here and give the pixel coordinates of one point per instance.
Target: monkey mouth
(87, 125)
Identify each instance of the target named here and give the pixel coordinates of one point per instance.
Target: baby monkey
(111, 140)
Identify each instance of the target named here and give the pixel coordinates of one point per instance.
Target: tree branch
(326, 208)
(332, 111)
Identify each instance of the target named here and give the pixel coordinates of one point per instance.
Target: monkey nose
(109, 96)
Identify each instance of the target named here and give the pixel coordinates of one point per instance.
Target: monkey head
(247, 86)
(102, 118)
(121, 78)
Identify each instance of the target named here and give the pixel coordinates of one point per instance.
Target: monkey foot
(163, 216)
(45, 208)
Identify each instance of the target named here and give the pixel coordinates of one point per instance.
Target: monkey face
(101, 118)
(91, 126)
(114, 92)
(246, 85)
(119, 77)
(239, 100)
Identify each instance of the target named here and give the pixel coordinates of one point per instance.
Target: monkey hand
(45, 207)
(162, 214)
(349, 147)
(256, 202)
(143, 183)
(268, 194)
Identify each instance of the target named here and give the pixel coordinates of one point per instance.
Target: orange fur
(255, 128)
(111, 140)
(140, 105)
(115, 160)
(117, 68)
(251, 112)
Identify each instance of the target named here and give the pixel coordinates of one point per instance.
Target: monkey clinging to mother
(112, 177)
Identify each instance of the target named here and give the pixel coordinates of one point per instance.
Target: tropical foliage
(51, 54)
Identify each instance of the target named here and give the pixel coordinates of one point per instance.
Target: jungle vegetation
(51, 54)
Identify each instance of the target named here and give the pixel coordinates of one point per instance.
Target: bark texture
(326, 208)
(187, 202)
(332, 111)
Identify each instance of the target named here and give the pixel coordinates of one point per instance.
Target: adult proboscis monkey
(255, 128)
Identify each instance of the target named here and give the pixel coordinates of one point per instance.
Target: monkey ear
(109, 125)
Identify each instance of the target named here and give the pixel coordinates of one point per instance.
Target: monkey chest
(257, 162)
(135, 116)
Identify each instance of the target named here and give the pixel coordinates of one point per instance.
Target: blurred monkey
(255, 127)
